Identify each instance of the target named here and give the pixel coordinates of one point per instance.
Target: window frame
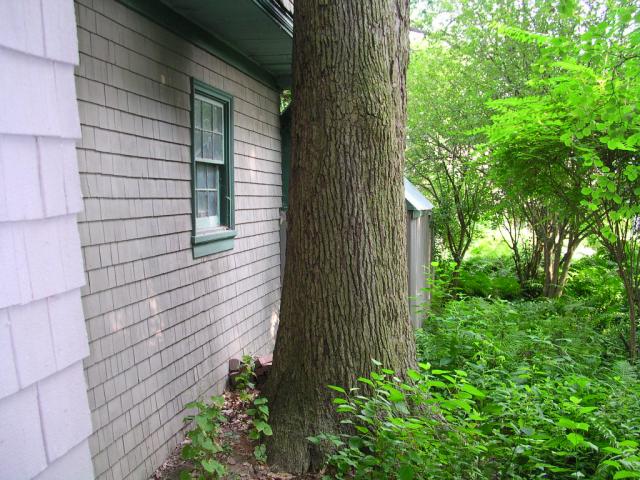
(222, 239)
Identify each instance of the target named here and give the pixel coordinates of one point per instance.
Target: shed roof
(415, 199)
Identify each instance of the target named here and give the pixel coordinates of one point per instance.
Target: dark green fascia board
(279, 15)
(223, 240)
(204, 245)
(164, 16)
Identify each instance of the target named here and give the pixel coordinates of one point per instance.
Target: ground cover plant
(527, 389)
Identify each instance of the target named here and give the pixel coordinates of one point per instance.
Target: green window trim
(210, 241)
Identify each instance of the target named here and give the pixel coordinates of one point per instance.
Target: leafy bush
(425, 427)
(244, 381)
(205, 442)
(260, 428)
(518, 390)
(595, 280)
(554, 372)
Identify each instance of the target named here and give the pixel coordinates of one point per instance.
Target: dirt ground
(238, 456)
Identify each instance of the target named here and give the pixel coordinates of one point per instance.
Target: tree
(541, 180)
(526, 248)
(446, 102)
(465, 62)
(586, 92)
(344, 298)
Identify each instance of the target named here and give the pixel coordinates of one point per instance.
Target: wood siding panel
(162, 326)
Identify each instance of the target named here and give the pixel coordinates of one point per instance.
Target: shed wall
(44, 413)
(162, 326)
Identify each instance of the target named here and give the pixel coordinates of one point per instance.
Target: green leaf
(406, 472)
(472, 390)
(366, 380)
(395, 395)
(337, 389)
(626, 474)
(203, 423)
(209, 465)
(575, 438)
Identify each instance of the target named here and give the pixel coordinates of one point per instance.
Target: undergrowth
(506, 390)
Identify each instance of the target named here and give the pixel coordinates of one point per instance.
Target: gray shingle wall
(44, 412)
(162, 326)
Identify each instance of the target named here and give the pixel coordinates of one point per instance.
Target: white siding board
(33, 346)
(22, 26)
(8, 374)
(64, 410)
(74, 465)
(39, 256)
(21, 444)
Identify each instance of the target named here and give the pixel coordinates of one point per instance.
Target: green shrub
(205, 441)
(518, 390)
(260, 428)
(595, 280)
(244, 381)
(425, 427)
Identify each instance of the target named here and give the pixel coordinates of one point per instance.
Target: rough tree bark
(344, 298)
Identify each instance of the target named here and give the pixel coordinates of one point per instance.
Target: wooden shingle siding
(162, 325)
(44, 412)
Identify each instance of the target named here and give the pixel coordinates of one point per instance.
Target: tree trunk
(632, 300)
(344, 297)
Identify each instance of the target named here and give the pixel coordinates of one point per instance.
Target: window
(212, 154)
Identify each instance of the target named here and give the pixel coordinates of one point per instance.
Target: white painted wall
(44, 412)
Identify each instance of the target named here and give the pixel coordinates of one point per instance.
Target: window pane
(197, 140)
(207, 147)
(218, 140)
(206, 116)
(197, 113)
(201, 175)
(213, 204)
(217, 119)
(201, 204)
(212, 177)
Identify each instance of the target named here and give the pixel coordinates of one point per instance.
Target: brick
(68, 328)
(75, 465)
(32, 343)
(21, 444)
(66, 420)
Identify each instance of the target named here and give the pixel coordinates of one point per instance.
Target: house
(140, 195)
